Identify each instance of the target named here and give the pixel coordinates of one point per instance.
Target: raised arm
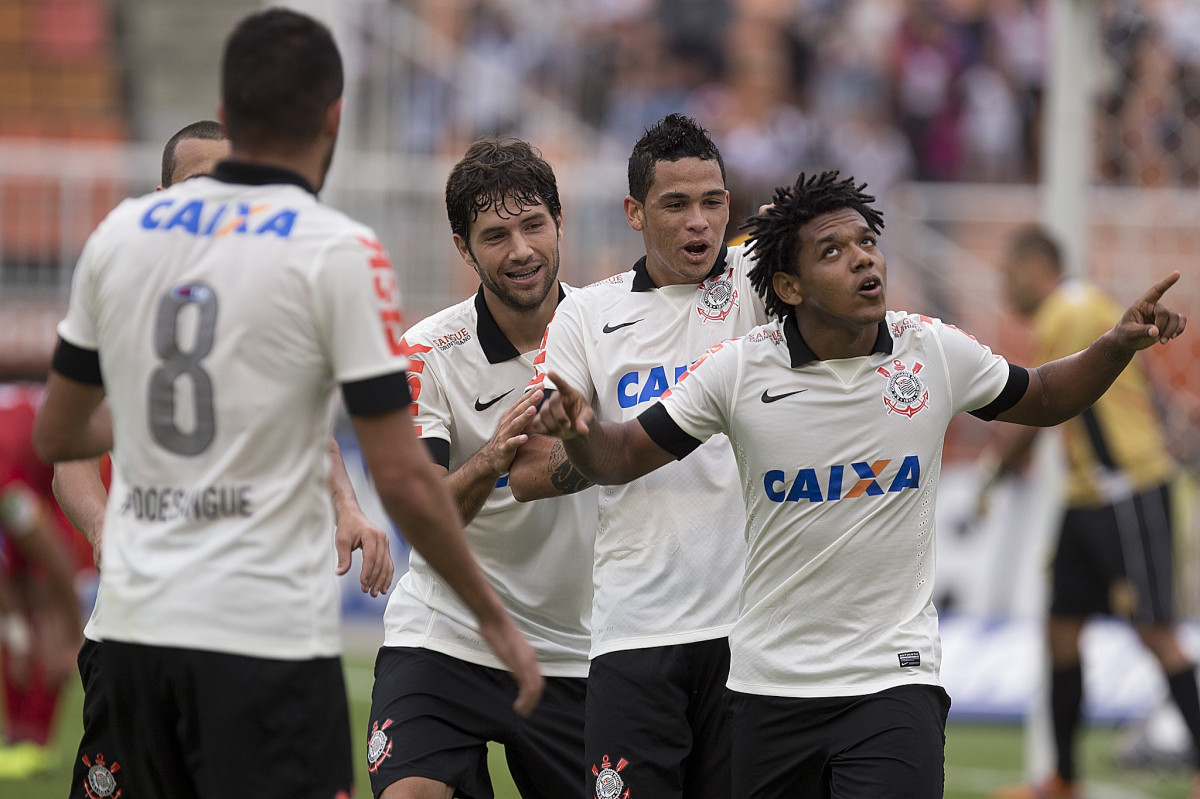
(607, 453)
(416, 496)
(1067, 386)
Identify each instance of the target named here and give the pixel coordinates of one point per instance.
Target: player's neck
(523, 328)
(835, 342)
(309, 163)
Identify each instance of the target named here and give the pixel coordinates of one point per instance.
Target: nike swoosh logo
(776, 397)
(483, 406)
(610, 328)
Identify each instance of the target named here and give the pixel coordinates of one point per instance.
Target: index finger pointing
(1160, 288)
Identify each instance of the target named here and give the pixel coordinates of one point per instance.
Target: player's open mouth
(697, 249)
(871, 287)
(526, 274)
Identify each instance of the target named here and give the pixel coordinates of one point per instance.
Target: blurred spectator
(781, 82)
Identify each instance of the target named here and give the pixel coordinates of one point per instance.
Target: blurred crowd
(890, 90)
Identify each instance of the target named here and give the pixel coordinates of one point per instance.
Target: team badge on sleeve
(101, 778)
(718, 299)
(609, 784)
(905, 393)
(379, 745)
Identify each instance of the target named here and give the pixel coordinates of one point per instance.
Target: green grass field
(979, 757)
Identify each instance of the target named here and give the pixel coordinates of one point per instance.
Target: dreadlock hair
(509, 175)
(774, 235)
(672, 138)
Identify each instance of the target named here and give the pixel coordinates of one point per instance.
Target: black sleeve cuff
(377, 394)
(1014, 389)
(80, 365)
(662, 429)
(439, 451)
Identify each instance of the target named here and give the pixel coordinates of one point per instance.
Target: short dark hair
(280, 73)
(774, 235)
(205, 129)
(672, 138)
(1035, 240)
(502, 173)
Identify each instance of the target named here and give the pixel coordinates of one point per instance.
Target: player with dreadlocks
(838, 411)
(776, 230)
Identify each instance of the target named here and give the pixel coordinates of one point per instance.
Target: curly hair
(672, 138)
(774, 235)
(509, 175)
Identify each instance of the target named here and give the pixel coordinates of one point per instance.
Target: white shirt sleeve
(701, 403)
(79, 327)
(432, 414)
(564, 349)
(356, 298)
(977, 375)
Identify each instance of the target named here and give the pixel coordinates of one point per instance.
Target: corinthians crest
(379, 745)
(101, 778)
(718, 299)
(609, 784)
(905, 393)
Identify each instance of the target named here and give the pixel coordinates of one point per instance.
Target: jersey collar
(496, 346)
(250, 174)
(801, 354)
(643, 282)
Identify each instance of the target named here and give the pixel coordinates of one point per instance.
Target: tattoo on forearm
(563, 475)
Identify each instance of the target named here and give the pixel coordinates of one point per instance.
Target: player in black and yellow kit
(1114, 553)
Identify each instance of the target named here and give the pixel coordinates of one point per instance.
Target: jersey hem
(688, 637)
(810, 692)
(257, 647)
(548, 668)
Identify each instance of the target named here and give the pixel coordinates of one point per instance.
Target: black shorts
(657, 723)
(190, 723)
(886, 745)
(1117, 559)
(432, 716)
(96, 772)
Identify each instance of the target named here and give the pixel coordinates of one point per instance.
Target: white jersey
(840, 460)
(669, 547)
(464, 374)
(224, 310)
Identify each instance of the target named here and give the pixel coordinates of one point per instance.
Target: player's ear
(787, 287)
(635, 213)
(464, 251)
(333, 118)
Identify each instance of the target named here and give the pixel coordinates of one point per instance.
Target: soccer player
(40, 622)
(837, 411)
(81, 492)
(218, 316)
(440, 695)
(1115, 546)
(194, 150)
(669, 549)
